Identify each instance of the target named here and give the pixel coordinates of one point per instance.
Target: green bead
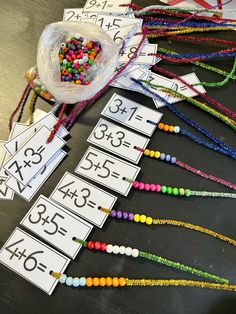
(70, 70)
(37, 89)
(169, 190)
(69, 64)
(181, 191)
(63, 67)
(81, 69)
(90, 62)
(175, 191)
(187, 192)
(163, 189)
(75, 71)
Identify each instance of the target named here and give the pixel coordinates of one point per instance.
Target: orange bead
(89, 282)
(47, 96)
(171, 128)
(64, 71)
(96, 281)
(61, 56)
(78, 82)
(166, 127)
(108, 281)
(92, 53)
(115, 282)
(122, 281)
(89, 45)
(91, 57)
(161, 126)
(102, 281)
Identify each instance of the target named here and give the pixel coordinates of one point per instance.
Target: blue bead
(168, 157)
(62, 278)
(76, 282)
(82, 281)
(162, 156)
(173, 160)
(85, 59)
(69, 281)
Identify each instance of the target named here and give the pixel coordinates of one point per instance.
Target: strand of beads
(172, 160)
(122, 281)
(143, 219)
(128, 251)
(89, 281)
(153, 187)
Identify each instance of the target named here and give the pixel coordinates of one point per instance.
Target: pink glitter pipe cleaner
(174, 161)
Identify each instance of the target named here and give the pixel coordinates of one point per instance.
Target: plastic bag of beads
(75, 60)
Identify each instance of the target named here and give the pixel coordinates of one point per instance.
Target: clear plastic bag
(48, 64)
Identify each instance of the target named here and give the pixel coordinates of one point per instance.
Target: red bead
(97, 245)
(90, 245)
(103, 246)
(73, 57)
(68, 58)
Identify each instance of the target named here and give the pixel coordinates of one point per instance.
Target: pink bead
(158, 187)
(135, 184)
(82, 77)
(86, 66)
(71, 52)
(141, 185)
(70, 75)
(152, 187)
(146, 187)
(75, 65)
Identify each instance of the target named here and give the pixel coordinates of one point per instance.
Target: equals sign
(142, 54)
(42, 267)
(115, 175)
(91, 204)
(126, 144)
(182, 88)
(138, 117)
(109, 5)
(62, 231)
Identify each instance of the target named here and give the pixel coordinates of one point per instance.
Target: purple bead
(85, 50)
(131, 216)
(81, 39)
(119, 214)
(168, 157)
(113, 213)
(79, 46)
(125, 215)
(162, 156)
(173, 160)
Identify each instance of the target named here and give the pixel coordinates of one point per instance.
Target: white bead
(176, 129)
(116, 249)
(122, 250)
(109, 248)
(128, 251)
(43, 88)
(135, 253)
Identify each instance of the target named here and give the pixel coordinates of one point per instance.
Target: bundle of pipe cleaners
(159, 22)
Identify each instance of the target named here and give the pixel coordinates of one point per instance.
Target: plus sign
(97, 166)
(2, 181)
(73, 194)
(27, 163)
(109, 136)
(77, 16)
(108, 25)
(45, 220)
(98, 5)
(123, 110)
(13, 253)
(21, 254)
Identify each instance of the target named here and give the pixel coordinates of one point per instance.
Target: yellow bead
(115, 282)
(96, 281)
(157, 154)
(102, 281)
(166, 127)
(89, 282)
(151, 153)
(149, 220)
(122, 281)
(143, 218)
(136, 217)
(171, 128)
(146, 152)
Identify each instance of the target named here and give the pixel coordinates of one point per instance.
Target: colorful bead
(97, 245)
(136, 217)
(187, 192)
(142, 218)
(158, 188)
(122, 281)
(102, 282)
(169, 190)
(176, 129)
(151, 153)
(115, 282)
(90, 245)
(146, 187)
(181, 191)
(75, 282)
(135, 253)
(131, 216)
(135, 184)
(157, 154)
(62, 278)
(149, 220)
(82, 281)
(108, 281)
(175, 191)
(146, 152)
(113, 213)
(109, 248)
(89, 282)
(152, 187)
(119, 214)
(125, 215)
(141, 185)
(96, 281)
(103, 246)
(163, 189)
(69, 281)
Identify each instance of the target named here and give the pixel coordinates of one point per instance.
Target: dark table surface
(21, 22)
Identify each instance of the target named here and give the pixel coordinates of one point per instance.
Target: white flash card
(145, 55)
(110, 22)
(33, 155)
(56, 225)
(107, 170)
(108, 6)
(120, 35)
(28, 191)
(132, 114)
(49, 121)
(83, 198)
(118, 140)
(75, 15)
(5, 192)
(33, 260)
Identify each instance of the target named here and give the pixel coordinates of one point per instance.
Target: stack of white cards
(26, 160)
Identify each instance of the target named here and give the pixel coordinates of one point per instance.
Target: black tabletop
(22, 22)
